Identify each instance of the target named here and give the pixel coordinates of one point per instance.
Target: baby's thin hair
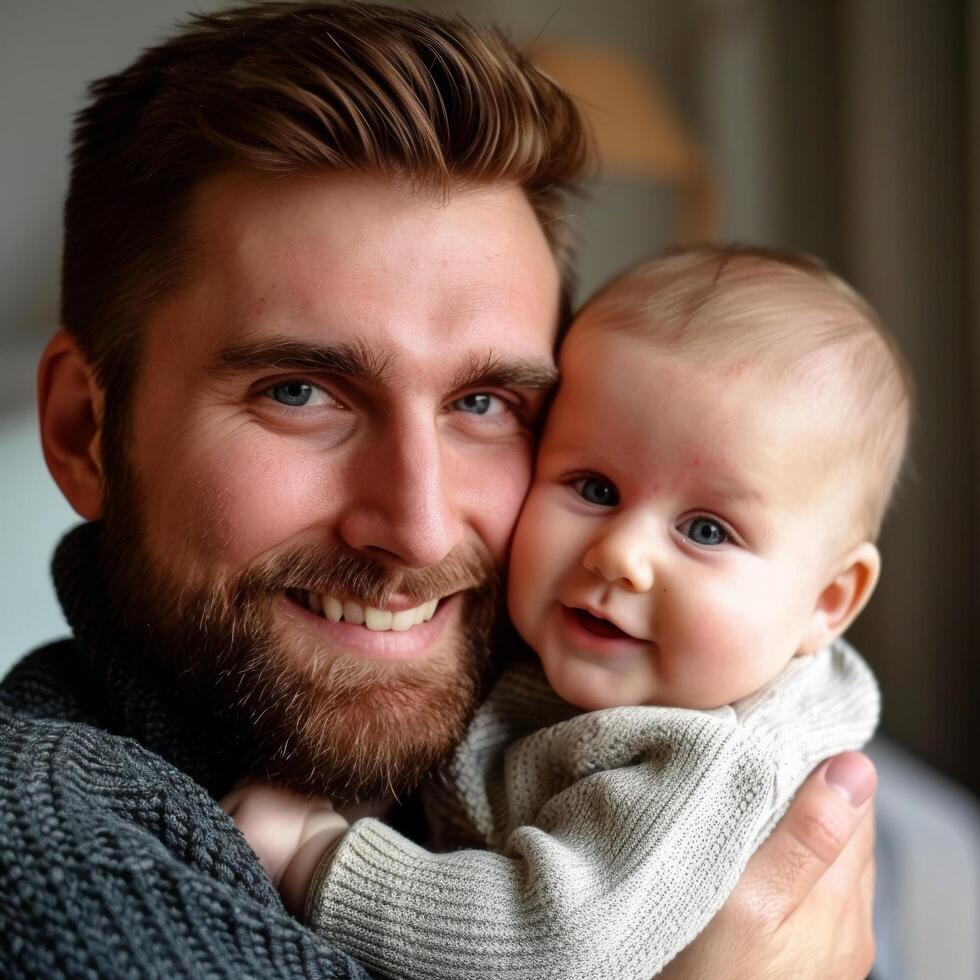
(786, 315)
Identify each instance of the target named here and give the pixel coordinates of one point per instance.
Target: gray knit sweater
(115, 859)
(616, 835)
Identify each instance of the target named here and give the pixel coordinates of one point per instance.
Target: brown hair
(286, 88)
(789, 316)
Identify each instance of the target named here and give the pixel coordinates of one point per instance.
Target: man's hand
(803, 906)
(288, 832)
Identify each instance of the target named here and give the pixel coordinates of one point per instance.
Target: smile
(598, 626)
(370, 632)
(600, 636)
(361, 614)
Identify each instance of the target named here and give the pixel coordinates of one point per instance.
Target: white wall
(35, 516)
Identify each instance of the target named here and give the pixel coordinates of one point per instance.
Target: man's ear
(844, 596)
(70, 408)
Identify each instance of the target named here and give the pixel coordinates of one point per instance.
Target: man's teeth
(379, 620)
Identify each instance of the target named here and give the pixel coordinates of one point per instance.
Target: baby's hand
(288, 832)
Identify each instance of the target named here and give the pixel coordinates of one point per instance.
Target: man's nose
(400, 503)
(623, 556)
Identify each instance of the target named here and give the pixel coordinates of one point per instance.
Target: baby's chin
(593, 686)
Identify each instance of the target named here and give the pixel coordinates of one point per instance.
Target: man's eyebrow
(507, 372)
(282, 353)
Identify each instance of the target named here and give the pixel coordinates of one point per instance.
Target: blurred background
(847, 128)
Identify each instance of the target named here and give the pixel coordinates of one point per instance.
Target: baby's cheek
(531, 611)
(532, 560)
(714, 636)
(528, 532)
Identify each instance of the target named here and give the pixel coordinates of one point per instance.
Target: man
(312, 285)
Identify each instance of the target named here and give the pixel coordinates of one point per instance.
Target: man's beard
(338, 726)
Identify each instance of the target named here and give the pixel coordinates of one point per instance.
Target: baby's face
(677, 535)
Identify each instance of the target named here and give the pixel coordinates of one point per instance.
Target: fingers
(844, 875)
(847, 892)
(867, 885)
(803, 906)
(851, 775)
(232, 801)
(321, 835)
(867, 888)
(243, 788)
(247, 791)
(827, 812)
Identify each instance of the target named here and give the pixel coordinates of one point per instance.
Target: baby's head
(712, 478)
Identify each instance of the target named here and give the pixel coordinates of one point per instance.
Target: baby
(700, 532)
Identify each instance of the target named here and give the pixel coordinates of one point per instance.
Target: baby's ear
(843, 597)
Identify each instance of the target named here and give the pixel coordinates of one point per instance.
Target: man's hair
(286, 88)
(789, 317)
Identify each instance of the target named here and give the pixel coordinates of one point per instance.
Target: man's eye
(597, 490)
(480, 403)
(705, 531)
(295, 394)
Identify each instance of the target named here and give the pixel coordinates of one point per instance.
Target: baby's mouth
(600, 627)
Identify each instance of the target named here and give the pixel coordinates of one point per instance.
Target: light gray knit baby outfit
(614, 836)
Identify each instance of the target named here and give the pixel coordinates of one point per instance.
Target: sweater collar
(130, 693)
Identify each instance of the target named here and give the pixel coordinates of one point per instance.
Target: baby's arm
(623, 833)
(541, 909)
(289, 833)
(621, 870)
(616, 835)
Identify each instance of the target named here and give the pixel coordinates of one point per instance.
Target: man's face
(335, 414)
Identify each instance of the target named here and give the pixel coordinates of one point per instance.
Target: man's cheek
(239, 504)
(490, 491)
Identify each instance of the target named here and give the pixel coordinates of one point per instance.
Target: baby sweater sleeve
(617, 834)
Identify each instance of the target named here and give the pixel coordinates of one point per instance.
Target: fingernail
(852, 776)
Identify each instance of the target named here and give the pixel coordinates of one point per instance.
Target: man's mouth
(351, 611)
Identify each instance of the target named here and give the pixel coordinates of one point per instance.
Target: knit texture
(616, 835)
(115, 859)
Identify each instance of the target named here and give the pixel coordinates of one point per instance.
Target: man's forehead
(360, 244)
(331, 261)
(366, 223)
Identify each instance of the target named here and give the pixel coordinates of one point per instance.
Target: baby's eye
(705, 531)
(597, 490)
